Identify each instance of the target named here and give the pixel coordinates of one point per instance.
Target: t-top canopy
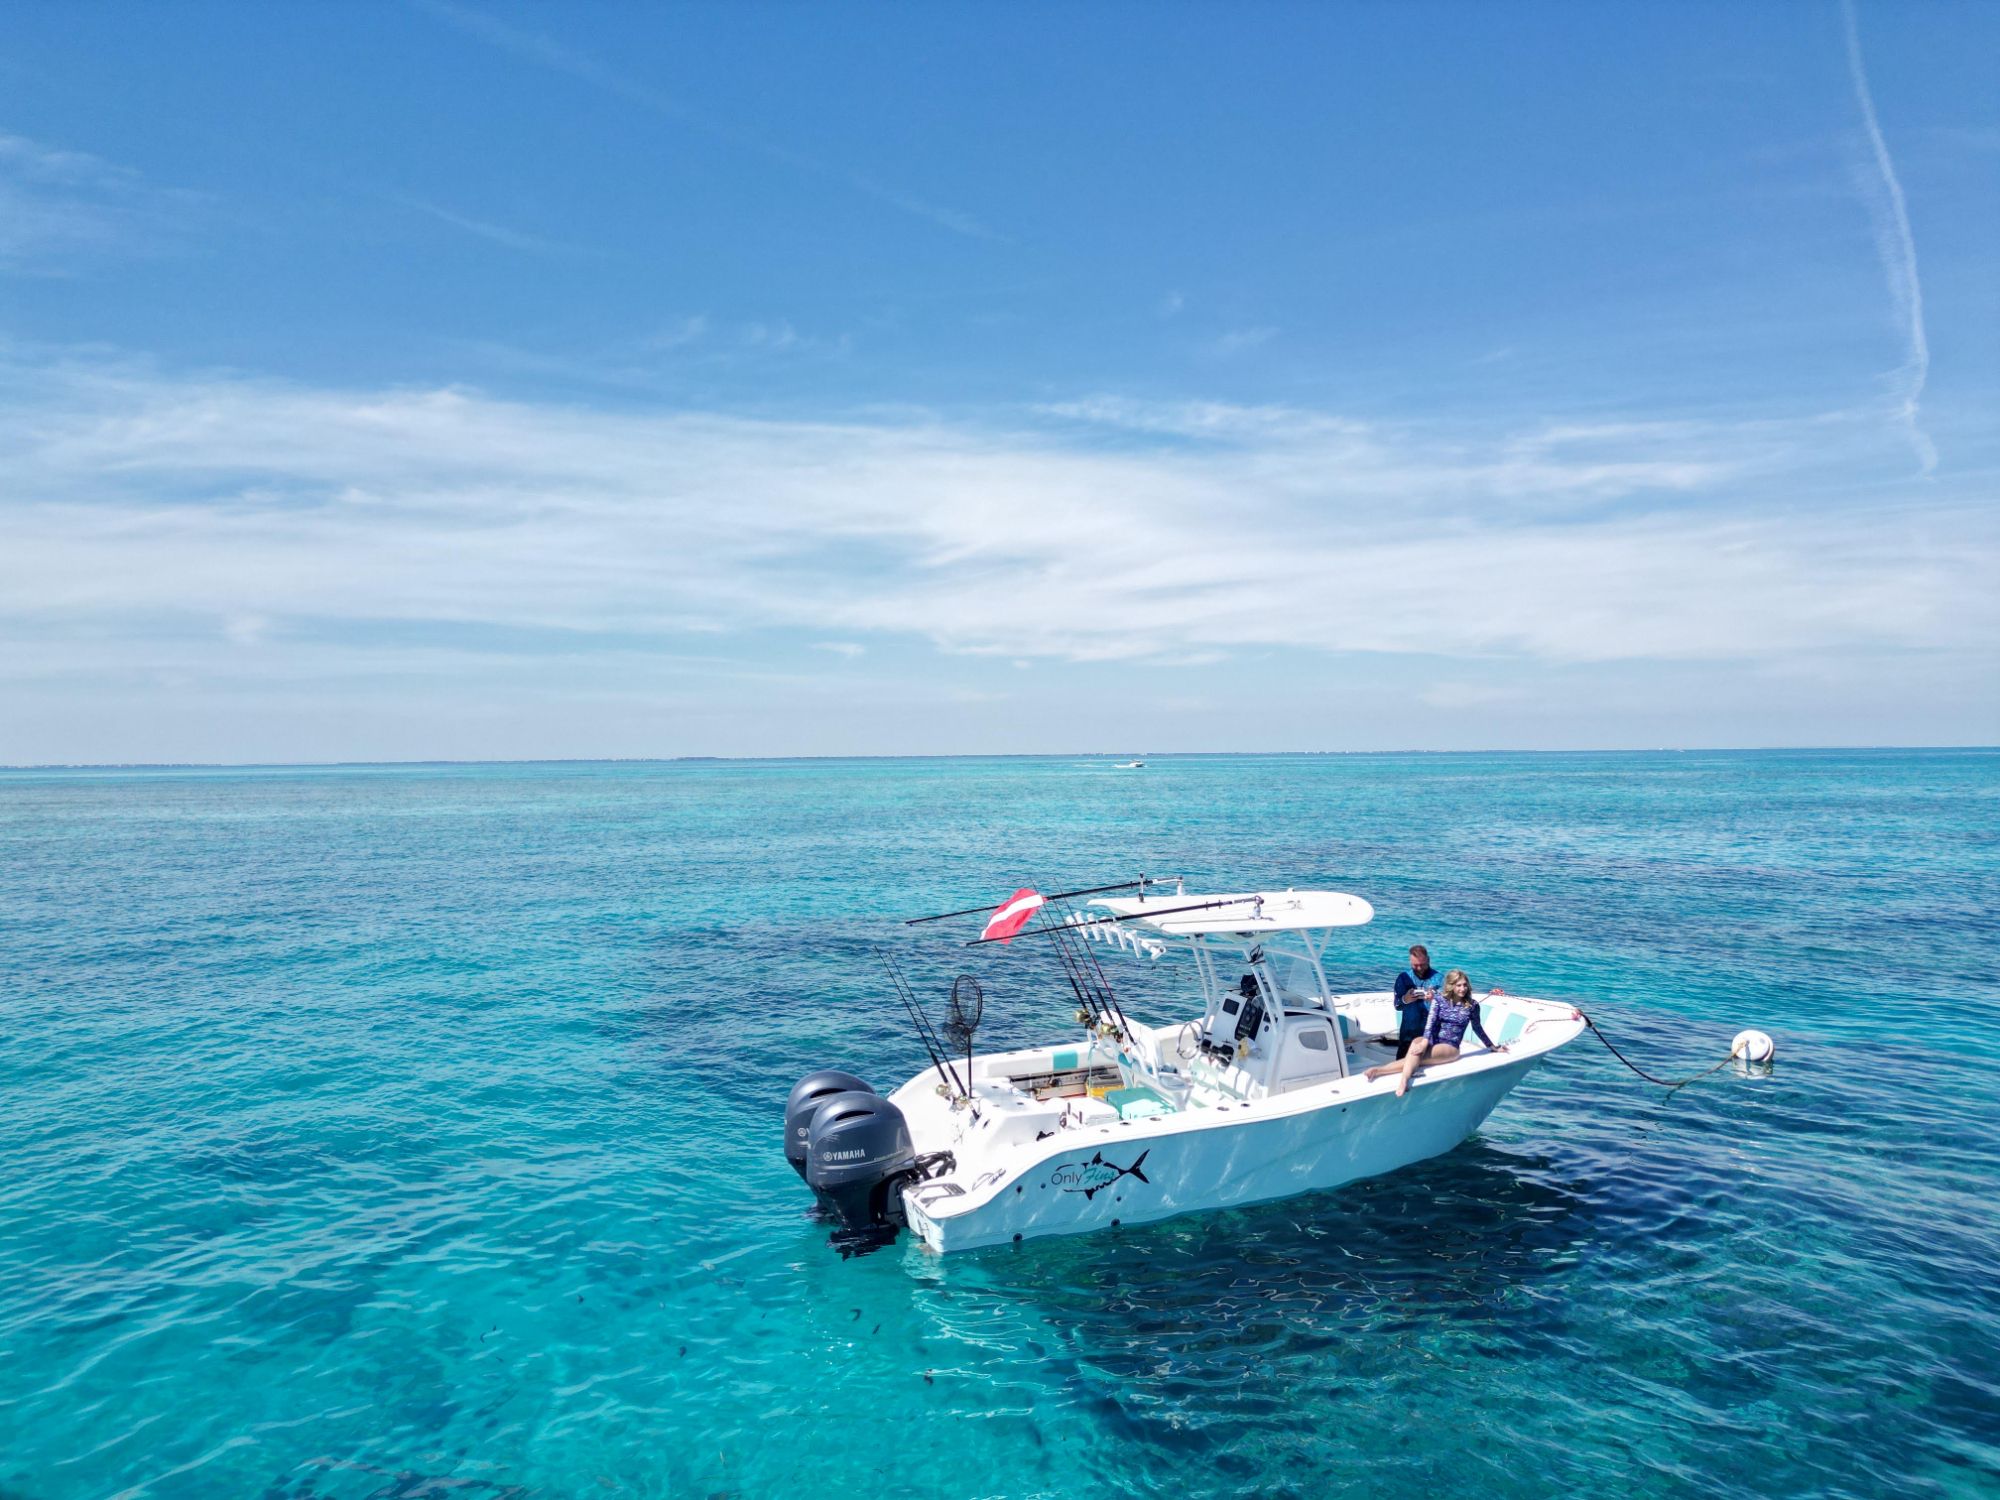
(1252, 912)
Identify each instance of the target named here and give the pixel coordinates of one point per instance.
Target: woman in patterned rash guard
(1454, 1010)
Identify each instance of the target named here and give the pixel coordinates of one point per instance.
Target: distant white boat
(1261, 1095)
(1131, 765)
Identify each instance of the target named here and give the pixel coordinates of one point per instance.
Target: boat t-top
(1261, 1094)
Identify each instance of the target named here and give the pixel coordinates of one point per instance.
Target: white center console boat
(1261, 1095)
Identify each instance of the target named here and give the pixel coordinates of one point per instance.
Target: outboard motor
(808, 1094)
(858, 1158)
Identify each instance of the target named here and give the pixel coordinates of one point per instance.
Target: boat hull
(1137, 1172)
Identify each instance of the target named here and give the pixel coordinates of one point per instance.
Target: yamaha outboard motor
(858, 1159)
(808, 1094)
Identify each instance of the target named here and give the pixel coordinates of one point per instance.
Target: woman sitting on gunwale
(1452, 1011)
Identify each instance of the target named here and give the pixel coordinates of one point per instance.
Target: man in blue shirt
(1416, 987)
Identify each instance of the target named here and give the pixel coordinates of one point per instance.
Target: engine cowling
(808, 1094)
(858, 1158)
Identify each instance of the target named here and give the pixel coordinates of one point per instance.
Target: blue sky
(451, 380)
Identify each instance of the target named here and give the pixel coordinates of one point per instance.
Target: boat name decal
(1092, 1177)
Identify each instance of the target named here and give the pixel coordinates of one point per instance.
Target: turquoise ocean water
(415, 1132)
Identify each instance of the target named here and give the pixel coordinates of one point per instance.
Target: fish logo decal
(1092, 1177)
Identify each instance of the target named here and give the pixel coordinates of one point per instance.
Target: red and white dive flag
(1011, 915)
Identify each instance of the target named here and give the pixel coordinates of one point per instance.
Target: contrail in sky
(1898, 251)
(551, 54)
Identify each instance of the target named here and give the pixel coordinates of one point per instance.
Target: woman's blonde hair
(1457, 974)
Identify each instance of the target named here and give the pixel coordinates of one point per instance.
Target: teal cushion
(1137, 1103)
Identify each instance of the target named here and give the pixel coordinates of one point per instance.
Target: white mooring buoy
(1753, 1046)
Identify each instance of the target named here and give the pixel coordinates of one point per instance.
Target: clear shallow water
(413, 1132)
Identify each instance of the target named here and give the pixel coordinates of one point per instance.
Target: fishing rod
(1096, 890)
(935, 1042)
(1079, 983)
(1110, 995)
(921, 1023)
(1168, 911)
(900, 986)
(1103, 1003)
(1074, 975)
(1107, 1003)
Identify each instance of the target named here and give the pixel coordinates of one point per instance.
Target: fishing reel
(956, 1101)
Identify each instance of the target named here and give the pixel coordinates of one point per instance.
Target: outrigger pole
(1096, 890)
(1089, 922)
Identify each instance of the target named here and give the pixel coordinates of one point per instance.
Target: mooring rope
(1662, 1082)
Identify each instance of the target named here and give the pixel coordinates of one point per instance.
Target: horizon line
(668, 760)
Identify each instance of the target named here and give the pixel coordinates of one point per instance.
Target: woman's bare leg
(1405, 1065)
(1412, 1060)
(1441, 1054)
(1383, 1070)
(1420, 1054)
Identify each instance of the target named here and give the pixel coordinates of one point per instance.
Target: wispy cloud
(654, 361)
(134, 497)
(1216, 421)
(1460, 694)
(246, 630)
(677, 335)
(549, 53)
(1242, 340)
(1898, 251)
(31, 160)
(777, 336)
(59, 208)
(956, 220)
(498, 234)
